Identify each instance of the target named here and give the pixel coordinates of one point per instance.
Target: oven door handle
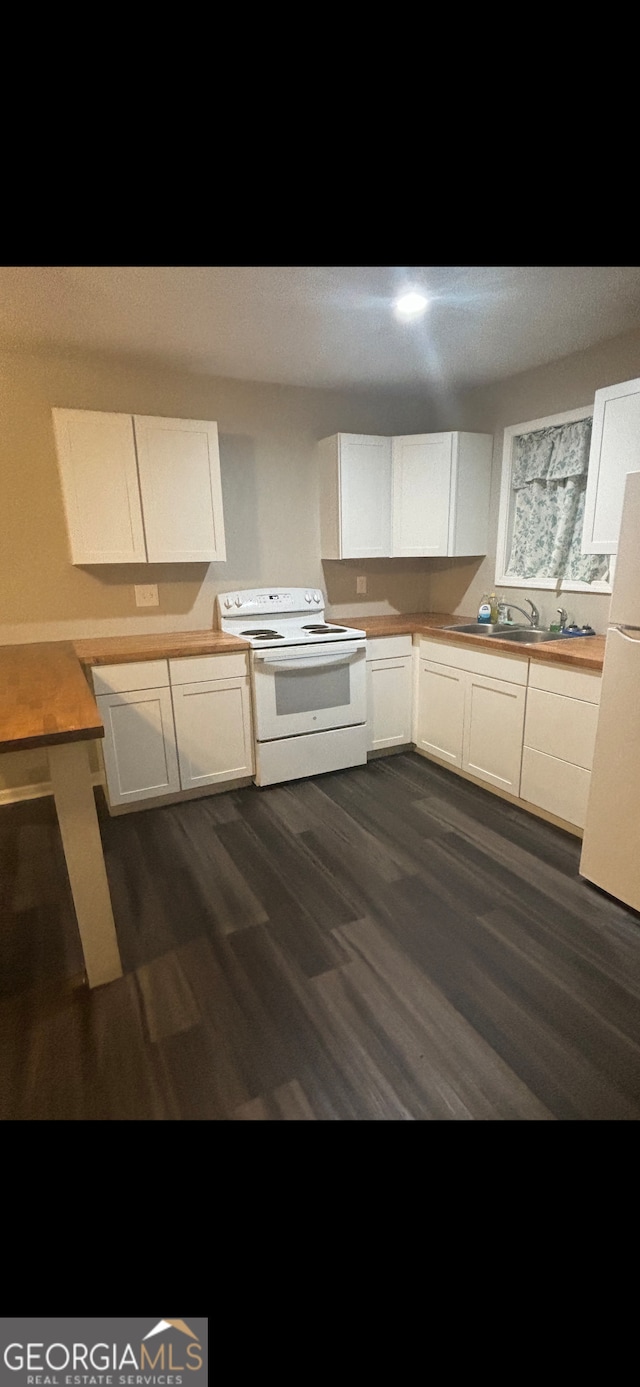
(316, 661)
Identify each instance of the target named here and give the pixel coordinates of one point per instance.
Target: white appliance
(308, 679)
(611, 844)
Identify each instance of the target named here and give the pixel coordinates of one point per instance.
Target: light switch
(146, 594)
(361, 583)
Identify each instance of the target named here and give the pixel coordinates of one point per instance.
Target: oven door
(309, 689)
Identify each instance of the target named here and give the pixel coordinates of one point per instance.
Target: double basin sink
(519, 635)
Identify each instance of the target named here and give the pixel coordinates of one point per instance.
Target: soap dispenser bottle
(484, 610)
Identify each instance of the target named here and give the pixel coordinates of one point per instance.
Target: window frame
(505, 514)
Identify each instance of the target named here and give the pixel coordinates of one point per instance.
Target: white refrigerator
(611, 843)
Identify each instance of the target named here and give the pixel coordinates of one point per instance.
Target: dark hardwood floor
(384, 943)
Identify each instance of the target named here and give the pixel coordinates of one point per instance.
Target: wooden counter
(167, 645)
(45, 701)
(582, 652)
(403, 625)
(44, 697)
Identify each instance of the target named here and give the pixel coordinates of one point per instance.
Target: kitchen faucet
(534, 617)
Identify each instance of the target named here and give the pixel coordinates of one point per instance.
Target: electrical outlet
(361, 583)
(146, 594)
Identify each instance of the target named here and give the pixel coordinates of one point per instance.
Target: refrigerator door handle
(622, 631)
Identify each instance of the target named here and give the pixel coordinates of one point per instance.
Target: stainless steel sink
(483, 628)
(528, 637)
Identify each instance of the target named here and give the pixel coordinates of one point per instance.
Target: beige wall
(267, 434)
(457, 586)
(269, 476)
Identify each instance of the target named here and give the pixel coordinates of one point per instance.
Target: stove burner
(324, 628)
(264, 635)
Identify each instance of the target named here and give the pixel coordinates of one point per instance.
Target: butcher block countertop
(167, 645)
(581, 652)
(44, 697)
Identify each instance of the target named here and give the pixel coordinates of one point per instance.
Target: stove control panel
(262, 601)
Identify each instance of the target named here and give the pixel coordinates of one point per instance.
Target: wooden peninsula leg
(75, 805)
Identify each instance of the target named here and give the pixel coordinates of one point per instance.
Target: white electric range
(309, 705)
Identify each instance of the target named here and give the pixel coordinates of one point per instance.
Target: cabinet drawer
(386, 647)
(194, 668)
(510, 667)
(137, 674)
(573, 683)
(561, 727)
(555, 785)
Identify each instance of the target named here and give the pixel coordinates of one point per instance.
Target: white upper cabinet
(615, 450)
(421, 491)
(412, 495)
(99, 476)
(139, 489)
(179, 469)
(471, 456)
(355, 492)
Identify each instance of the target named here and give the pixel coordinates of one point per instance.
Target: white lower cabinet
(139, 744)
(174, 726)
(529, 732)
(181, 725)
(439, 722)
(469, 718)
(559, 739)
(389, 692)
(213, 731)
(493, 724)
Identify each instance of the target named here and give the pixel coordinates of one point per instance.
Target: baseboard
(390, 750)
(179, 797)
(38, 790)
(503, 794)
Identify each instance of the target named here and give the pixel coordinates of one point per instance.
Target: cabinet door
(421, 490)
(615, 450)
(213, 731)
(388, 702)
(493, 731)
(365, 496)
(440, 711)
(139, 745)
(179, 467)
(99, 477)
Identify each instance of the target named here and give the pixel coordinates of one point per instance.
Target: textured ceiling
(320, 325)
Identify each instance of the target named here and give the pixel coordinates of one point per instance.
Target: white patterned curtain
(549, 478)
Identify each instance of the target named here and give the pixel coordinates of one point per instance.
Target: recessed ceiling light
(411, 305)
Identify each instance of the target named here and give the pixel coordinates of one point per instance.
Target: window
(544, 478)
